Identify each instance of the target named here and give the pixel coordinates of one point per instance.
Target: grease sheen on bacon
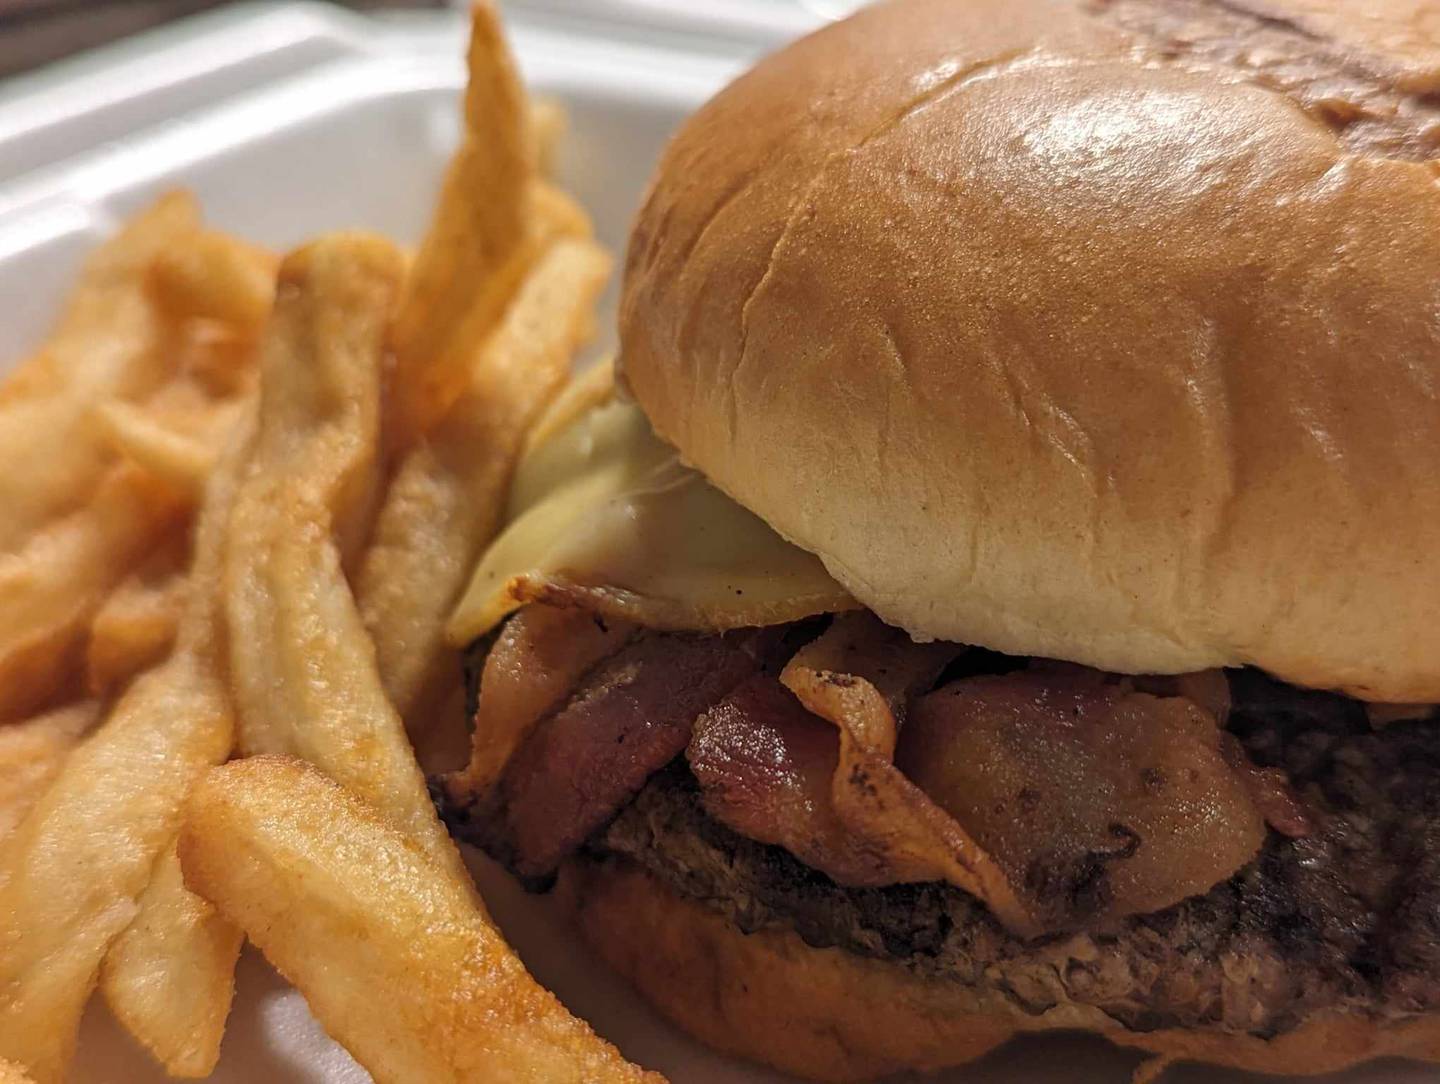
(626, 719)
(1097, 801)
(1059, 796)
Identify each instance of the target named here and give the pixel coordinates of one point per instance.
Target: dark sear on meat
(1347, 918)
(1343, 912)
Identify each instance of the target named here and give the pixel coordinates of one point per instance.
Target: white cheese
(603, 515)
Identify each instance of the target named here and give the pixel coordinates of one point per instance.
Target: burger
(998, 587)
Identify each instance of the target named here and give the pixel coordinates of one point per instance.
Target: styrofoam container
(292, 119)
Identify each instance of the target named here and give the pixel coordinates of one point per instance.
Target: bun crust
(824, 1014)
(1052, 332)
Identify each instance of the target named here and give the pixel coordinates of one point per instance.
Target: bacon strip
(1058, 795)
(626, 721)
(535, 663)
(822, 785)
(1098, 802)
(860, 675)
(765, 766)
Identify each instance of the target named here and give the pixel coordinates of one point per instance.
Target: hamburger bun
(825, 1014)
(1099, 331)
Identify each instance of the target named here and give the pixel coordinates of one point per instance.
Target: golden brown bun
(825, 1014)
(1053, 326)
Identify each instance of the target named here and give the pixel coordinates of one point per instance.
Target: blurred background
(34, 32)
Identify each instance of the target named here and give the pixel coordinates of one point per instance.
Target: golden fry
(302, 667)
(52, 584)
(557, 215)
(111, 343)
(50, 589)
(180, 460)
(176, 435)
(548, 122)
(393, 957)
(31, 754)
(111, 435)
(135, 627)
(217, 359)
(216, 277)
(480, 240)
(170, 977)
(446, 498)
(111, 811)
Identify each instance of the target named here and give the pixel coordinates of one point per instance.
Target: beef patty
(1347, 918)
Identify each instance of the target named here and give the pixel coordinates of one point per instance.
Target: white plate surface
(289, 120)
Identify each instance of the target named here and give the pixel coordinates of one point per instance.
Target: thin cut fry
(31, 754)
(302, 666)
(216, 277)
(170, 977)
(51, 588)
(113, 809)
(135, 627)
(110, 344)
(479, 243)
(334, 897)
(445, 500)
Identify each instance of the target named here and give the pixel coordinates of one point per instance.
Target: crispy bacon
(532, 668)
(627, 720)
(822, 785)
(1058, 795)
(765, 766)
(861, 673)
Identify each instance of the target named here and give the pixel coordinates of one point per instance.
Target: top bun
(1102, 331)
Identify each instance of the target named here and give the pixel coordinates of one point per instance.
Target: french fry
(111, 811)
(334, 898)
(557, 215)
(170, 977)
(52, 586)
(216, 277)
(479, 242)
(446, 497)
(181, 460)
(50, 589)
(548, 122)
(218, 359)
(176, 435)
(302, 666)
(110, 344)
(135, 626)
(31, 754)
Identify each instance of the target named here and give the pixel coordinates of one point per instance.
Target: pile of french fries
(240, 496)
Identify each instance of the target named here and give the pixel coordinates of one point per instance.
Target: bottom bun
(829, 1015)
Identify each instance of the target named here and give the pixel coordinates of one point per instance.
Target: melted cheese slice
(603, 515)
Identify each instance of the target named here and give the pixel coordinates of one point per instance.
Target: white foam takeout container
(293, 119)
